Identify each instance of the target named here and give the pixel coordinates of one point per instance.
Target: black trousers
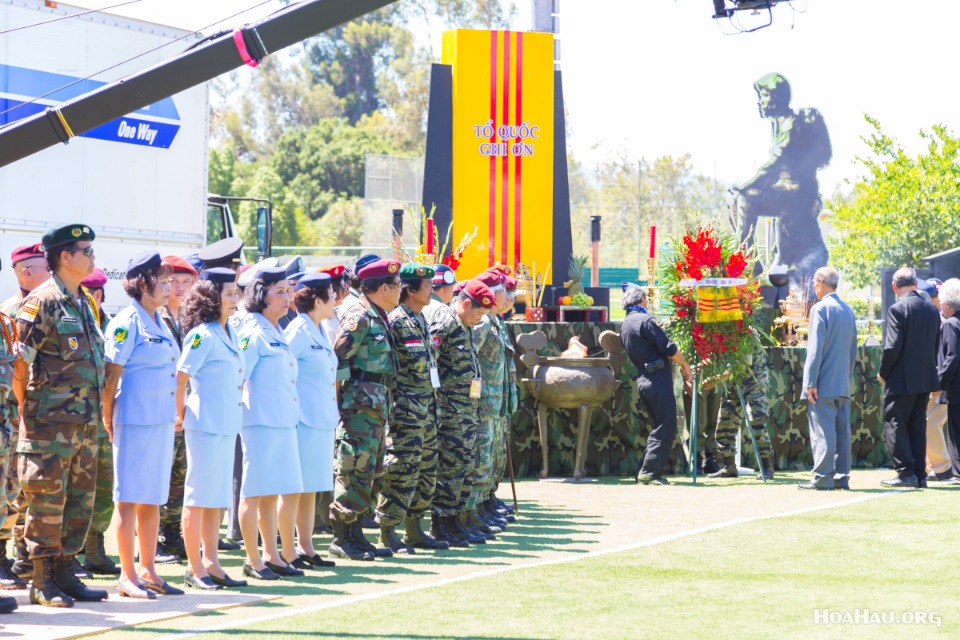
(656, 394)
(905, 432)
(953, 437)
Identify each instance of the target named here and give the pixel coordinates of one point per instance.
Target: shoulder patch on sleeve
(350, 324)
(120, 335)
(28, 312)
(437, 342)
(197, 339)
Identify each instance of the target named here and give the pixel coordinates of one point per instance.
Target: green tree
(902, 209)
(326, 162)
(291, 226)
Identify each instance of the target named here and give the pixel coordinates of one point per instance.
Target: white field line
(339, 602)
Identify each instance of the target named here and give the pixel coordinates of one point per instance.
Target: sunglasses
(87, 251)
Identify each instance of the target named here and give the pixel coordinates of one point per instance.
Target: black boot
(356, 532)
(766, 469)
(711, 466)
(490, 517)
(8, 605)
(71, 584)
(441, 532)
(23, 566)
(8, 579)
(164, 555)
(44, 589)
(95, 558)
(457, 524)
(79, 570)
(390, 540)
(729, 469)
(343, 545)
(172, 538)
(479, 525)
(417, 537)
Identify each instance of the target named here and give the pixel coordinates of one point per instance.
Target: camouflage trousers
(6, 455)
(731, 419)
(456, 439)
(358, 467)
(58, 474)
(410, 472)
(12, 526)
(499, 453)
(171, 512)
(480, 479)
(103, 502)
(708, 410)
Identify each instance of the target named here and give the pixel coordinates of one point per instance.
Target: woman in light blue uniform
(138, 412)
(316, 388)
(214, 365)
(271, 413)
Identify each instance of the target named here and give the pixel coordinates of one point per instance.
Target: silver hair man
(634, 296)
(829, 276)
(950, 294)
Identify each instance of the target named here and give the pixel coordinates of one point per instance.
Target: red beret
(479, 293)
(379, 269)
(179, 265)
(491, 278)
(333, 271)
(502, 268)
(459, 286)
(29, 251)
(96, 280)
(510, 284)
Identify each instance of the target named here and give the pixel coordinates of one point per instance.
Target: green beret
(65, 234)
(415, 271)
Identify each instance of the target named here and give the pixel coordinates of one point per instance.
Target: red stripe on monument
(492, 240)
(505, 172)
(517, 173)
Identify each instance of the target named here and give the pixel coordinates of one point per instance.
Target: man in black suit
(908, 370)
(949, 370)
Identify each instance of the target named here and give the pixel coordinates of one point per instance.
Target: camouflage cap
(415, 271)
(66, 234)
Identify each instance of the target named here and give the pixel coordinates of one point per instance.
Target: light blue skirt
(271, 464)
(316, 458)
(142, 459)
(209, 480)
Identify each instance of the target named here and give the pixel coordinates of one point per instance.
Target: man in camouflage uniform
(493, 508)
(170, 548)
(354, 294)
(410, 464)
(461, 388)
(444, 280)
(59, 387)
(95, 558)
(754, 389)
(364, 348)
(31, 269)
(491, 342)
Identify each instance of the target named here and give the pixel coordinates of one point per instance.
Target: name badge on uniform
(316, 346)
(475, 385)
(434, 377)
(275, 344)
(154, 340)
(69, 320)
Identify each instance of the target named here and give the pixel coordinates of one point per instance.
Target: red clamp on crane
(247, 40)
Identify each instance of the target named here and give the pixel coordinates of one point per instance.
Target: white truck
(140, 181)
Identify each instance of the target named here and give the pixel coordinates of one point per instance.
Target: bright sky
(659, 77)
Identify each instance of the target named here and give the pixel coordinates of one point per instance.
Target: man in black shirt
(650, 349)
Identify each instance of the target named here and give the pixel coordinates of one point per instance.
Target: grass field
(611, 559)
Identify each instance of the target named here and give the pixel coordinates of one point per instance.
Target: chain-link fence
(391, 182)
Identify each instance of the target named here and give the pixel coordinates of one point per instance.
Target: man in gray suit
(827, 375)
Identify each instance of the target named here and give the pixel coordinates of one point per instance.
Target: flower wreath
(707, 284)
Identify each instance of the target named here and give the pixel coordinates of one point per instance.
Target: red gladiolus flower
(736, 264)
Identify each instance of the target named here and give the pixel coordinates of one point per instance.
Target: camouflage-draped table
(618, 433)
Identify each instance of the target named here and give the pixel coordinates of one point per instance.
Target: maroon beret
(379, 269)
(491, 278)
(459, 286)
(29, 251)
(479, 293)
(509, 283)
(179, 265)
(96, 280)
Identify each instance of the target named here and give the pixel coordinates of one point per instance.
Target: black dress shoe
(227, 545)
(300, 563)
(316, 560)
(227, 581)
(284, 569)
(204, 584)
(910, 482)
(264, 574)
(813, 486)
